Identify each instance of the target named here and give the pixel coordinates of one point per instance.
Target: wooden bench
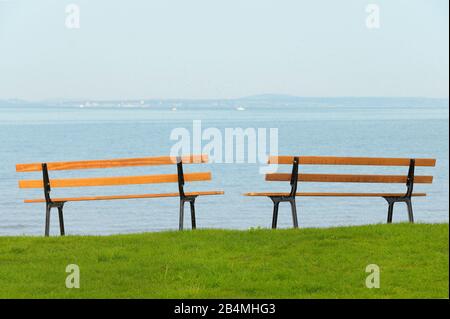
(46, 183)
(295, 177)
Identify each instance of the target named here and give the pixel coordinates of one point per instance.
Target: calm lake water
(341, 127)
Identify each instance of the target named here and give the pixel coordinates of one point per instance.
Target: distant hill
(271, 97)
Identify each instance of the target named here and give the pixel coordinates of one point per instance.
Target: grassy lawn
(305, 263)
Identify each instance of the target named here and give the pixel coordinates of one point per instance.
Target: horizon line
(267, 95)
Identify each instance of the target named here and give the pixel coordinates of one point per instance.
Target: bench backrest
(46, 183)
(295, 177)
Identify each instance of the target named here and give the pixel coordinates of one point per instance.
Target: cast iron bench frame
(59, 203)
(391, 198)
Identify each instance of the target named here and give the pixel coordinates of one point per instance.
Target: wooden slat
(113, 197)
(337, 194)
(122, 162)
(333, 160)
(348, 178)
(113, 181)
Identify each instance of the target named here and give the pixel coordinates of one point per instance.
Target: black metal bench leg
(61, 220)
(392, 201)
(47, 220)
(275, 214)
(390, 212)
(410, 211)
(294, 213)
(194, 226)
(181, 215)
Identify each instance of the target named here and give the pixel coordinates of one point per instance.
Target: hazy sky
(223, 49)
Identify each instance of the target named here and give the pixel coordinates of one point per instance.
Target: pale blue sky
(222, 49)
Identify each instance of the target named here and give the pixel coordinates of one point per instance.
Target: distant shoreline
(272, 99)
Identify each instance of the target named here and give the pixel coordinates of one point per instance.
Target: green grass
(305, 263)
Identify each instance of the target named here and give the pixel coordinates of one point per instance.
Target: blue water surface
(340, 127)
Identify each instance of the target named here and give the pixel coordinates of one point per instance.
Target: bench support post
(290, 198)
(47, 220)
(194, 226)
(181, 217)
(191, 200)
(184, 198)
(275, 213)
(390, 211)
(61, 220)
(294, 213)
(49, 204)
(406, 198)
(276, 204)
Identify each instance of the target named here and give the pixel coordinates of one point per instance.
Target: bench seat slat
(335, 160)
(347, 178)
(112, 197)
(114, 181)
(121, 162)
(337, 194)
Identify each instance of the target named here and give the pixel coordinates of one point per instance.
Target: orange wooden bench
(295, 177)
(46, 183)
